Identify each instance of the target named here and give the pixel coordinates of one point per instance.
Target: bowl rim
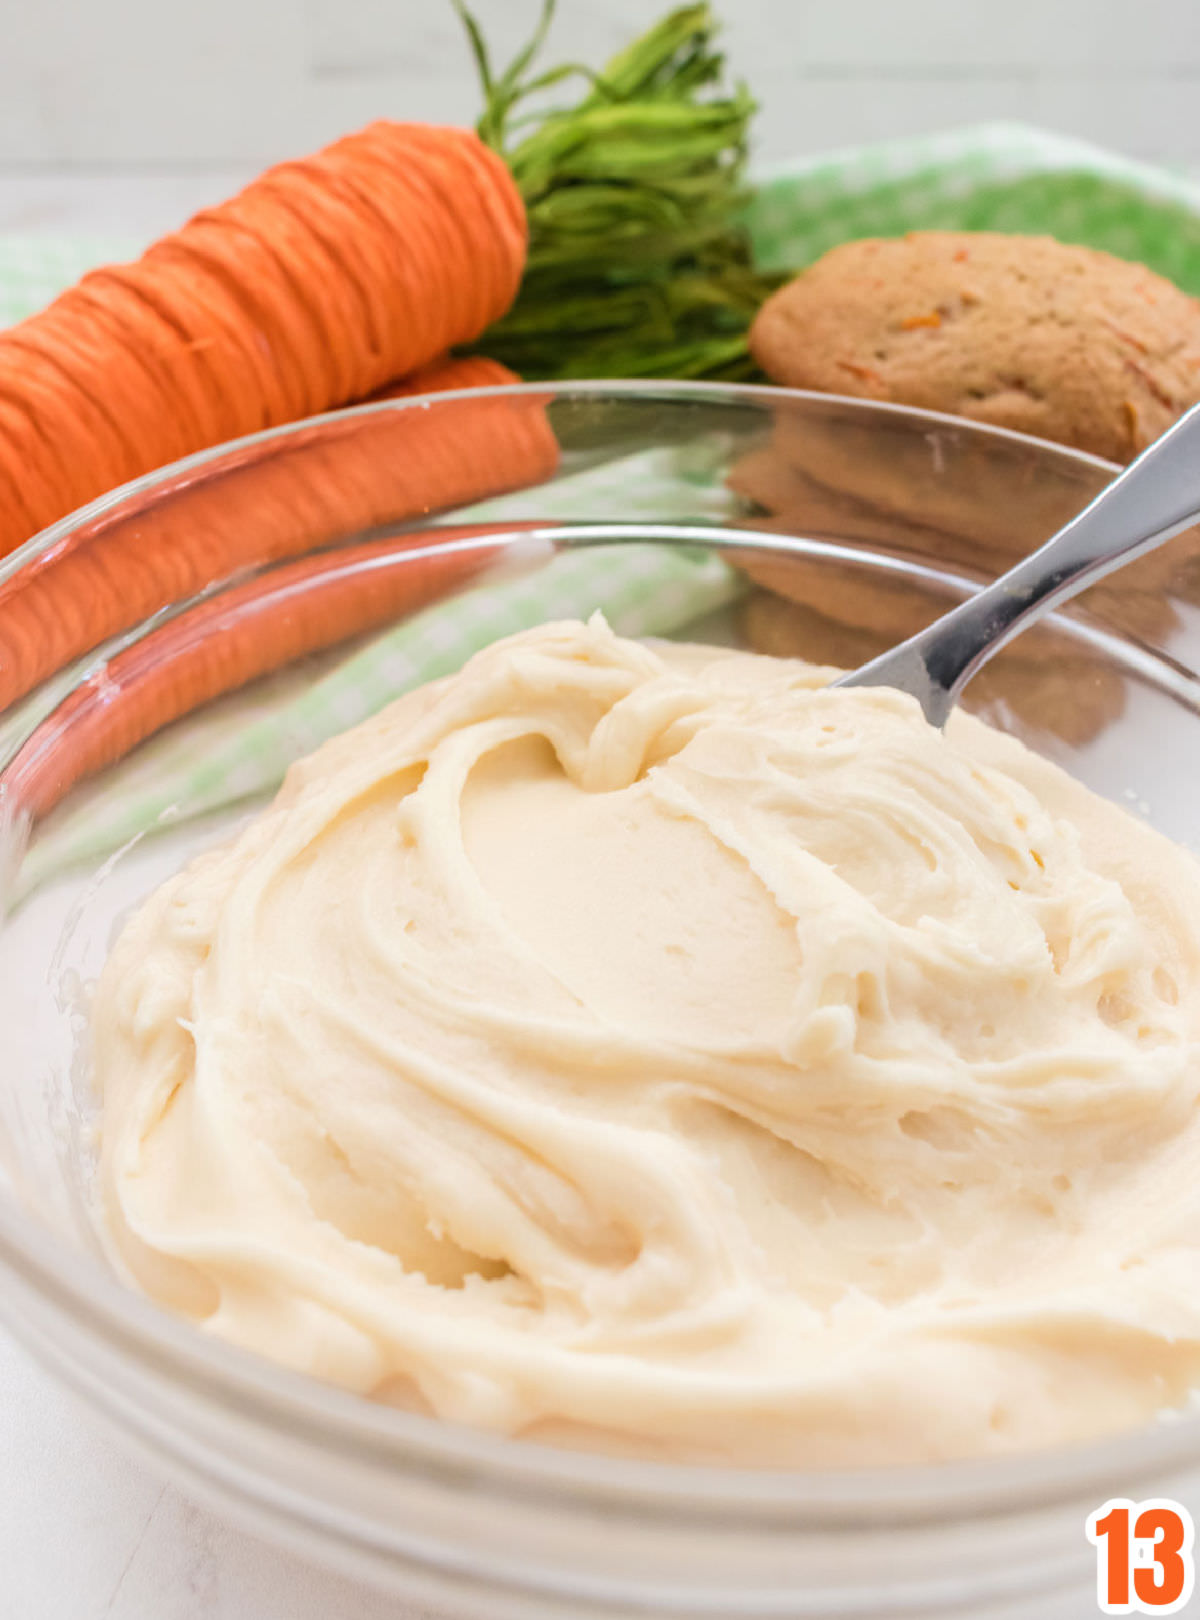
(647, 388)
(274, 1397)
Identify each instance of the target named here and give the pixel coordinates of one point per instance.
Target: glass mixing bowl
(165, 652)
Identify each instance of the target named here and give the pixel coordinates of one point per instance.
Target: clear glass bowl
(305, 575)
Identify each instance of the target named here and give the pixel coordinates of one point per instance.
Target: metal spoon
(1154, 498)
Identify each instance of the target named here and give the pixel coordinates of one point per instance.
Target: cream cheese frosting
(649, 1048)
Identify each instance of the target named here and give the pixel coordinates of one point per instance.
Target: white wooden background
(213, 84)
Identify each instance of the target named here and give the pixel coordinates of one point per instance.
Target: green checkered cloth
(999, 177)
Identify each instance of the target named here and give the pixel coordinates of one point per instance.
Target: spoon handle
(1156, 497)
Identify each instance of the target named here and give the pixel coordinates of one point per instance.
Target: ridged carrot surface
(223, 644)
(307, 490)
(320, 283)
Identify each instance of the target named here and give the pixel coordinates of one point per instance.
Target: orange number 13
(1143, 1556)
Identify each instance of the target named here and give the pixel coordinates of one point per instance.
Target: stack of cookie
(1063, 343)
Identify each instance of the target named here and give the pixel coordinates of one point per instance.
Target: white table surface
(87, 1533)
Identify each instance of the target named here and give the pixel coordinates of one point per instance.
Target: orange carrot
(262, 503)
(223, 644)
(319, 284)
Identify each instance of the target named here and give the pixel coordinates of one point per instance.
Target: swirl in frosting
(649, 1048)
